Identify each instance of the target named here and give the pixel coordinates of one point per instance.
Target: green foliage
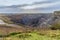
(1, 36)
(14, 33)
(33, 36)
(55, 26)
(11, 34)
(25, 36)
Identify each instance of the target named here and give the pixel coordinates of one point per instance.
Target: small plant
(24, 35)
(14, 33)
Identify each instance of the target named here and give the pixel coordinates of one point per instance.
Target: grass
(42, 35)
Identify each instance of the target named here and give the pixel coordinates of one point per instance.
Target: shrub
(14, 33)
(55, 26)
(25, 35)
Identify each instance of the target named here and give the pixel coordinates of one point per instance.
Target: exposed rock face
(32, 19)
(57, 16)
(2, 22)
(35, 20)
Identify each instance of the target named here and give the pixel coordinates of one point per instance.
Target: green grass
(49, 35)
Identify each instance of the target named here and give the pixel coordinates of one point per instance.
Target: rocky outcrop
(31, 19)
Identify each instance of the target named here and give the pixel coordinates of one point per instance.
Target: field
(42, 35)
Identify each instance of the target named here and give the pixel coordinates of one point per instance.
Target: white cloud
(41, 5)
(44, 6)
(17, 2)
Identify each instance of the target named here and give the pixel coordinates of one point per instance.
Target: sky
(17, 2)
(35, 5)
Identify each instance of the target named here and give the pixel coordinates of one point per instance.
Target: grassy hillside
(6, 19)
(6, 29)
(12, 31)
(42, 35)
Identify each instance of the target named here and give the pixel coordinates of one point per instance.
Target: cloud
(30, 6)
(41, 5)
(17, 2)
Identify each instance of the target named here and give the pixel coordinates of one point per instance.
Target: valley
(41, 26)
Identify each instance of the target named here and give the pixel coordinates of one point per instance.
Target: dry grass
(7, 29)
(25, 35)
(42, 35)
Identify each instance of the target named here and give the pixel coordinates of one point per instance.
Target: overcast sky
(42, 5)
(17, 2)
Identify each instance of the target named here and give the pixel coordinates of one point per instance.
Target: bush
(14, 33)
(55, 26)
(25, 35)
